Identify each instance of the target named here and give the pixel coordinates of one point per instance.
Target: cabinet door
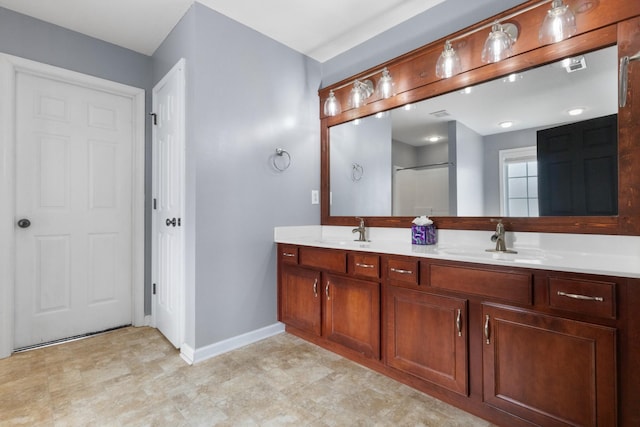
(352, 314)
(300, 299)
(548, 370)
(426, 336)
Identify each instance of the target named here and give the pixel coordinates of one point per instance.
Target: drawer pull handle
(398, 270)
(580, 297)
(326, 290)
(486, 329)
(359, 264)
(288, 254)
(459, 322)
(315, 288)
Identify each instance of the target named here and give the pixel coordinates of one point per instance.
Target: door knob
(171, 222)
(24, 223)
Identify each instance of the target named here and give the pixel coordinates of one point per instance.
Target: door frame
(178, 70)
(9, 66)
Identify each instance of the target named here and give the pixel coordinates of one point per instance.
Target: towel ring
(356, 172)
(281, 153)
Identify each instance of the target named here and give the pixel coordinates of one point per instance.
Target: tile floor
(134, 377)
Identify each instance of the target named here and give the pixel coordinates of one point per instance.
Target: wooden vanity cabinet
(426, 336)
(352, 314)
(320, 296)
(549, 370)
(516, 346)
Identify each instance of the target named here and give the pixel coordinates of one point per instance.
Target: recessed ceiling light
(407, 107)
(512, 78)
(506, 124)
(434, 138)
(576, 111)
(356, 122)
(466, 90)
(382, 114)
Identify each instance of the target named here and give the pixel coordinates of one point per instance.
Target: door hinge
(155, 118)
(179, 222)
(153, 291)
(155, 203)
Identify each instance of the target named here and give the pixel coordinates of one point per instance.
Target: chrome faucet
(361, 229)
(498, 237)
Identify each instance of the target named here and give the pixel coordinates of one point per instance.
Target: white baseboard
(215, 349)
(187, 353)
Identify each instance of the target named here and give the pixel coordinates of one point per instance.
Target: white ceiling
(319, 29)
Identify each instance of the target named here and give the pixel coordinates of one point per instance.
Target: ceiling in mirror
(464, 177)
(539, 97)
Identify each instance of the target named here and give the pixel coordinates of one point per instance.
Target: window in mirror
(441, 156)
(519, 182)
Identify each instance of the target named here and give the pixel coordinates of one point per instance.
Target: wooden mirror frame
(600, 24)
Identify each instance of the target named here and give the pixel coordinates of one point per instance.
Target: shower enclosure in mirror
(538, 143)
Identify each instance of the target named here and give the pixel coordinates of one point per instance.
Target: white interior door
(74, 169)
(168, 193)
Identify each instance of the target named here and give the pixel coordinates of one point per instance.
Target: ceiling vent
(574, 64)
(440, 113)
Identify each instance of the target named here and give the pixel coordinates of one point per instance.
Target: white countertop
(580, 253)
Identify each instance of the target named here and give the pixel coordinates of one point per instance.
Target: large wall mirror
(542, 142)
(438, 148)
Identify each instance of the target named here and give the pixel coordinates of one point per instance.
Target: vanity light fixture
(362, 89)
(359, 93)
(332, 105)
(448, 64)
(498, 45)
(385, 88)
(559, 24)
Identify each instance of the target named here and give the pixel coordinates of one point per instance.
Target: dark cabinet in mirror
(542, 142)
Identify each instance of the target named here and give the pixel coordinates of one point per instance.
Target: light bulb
(559, 24)
(385, 85)
(499, 43)
(448, 63)
(332, 105)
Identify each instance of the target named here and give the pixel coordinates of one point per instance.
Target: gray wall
(40, 41)
(247, 95)
(469, 171)
(492, 145)
(367, 144)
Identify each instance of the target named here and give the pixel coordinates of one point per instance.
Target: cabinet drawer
(325, 259)
(288, 253)
(364, 265)
(589, 297)
(403, 270)
(506, 286)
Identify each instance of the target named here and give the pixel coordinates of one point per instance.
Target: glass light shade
(332, 105)
(448, 63)
(559, 24)
(360, 92)
(386, 85)
(498, 45)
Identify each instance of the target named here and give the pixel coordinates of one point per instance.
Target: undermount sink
(532, 256)
(346, 243)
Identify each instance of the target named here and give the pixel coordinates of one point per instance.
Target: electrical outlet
(315, 197)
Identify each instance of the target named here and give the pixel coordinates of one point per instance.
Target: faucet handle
(361, 221)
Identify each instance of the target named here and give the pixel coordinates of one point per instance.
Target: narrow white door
(74, 166)
(168, 193)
